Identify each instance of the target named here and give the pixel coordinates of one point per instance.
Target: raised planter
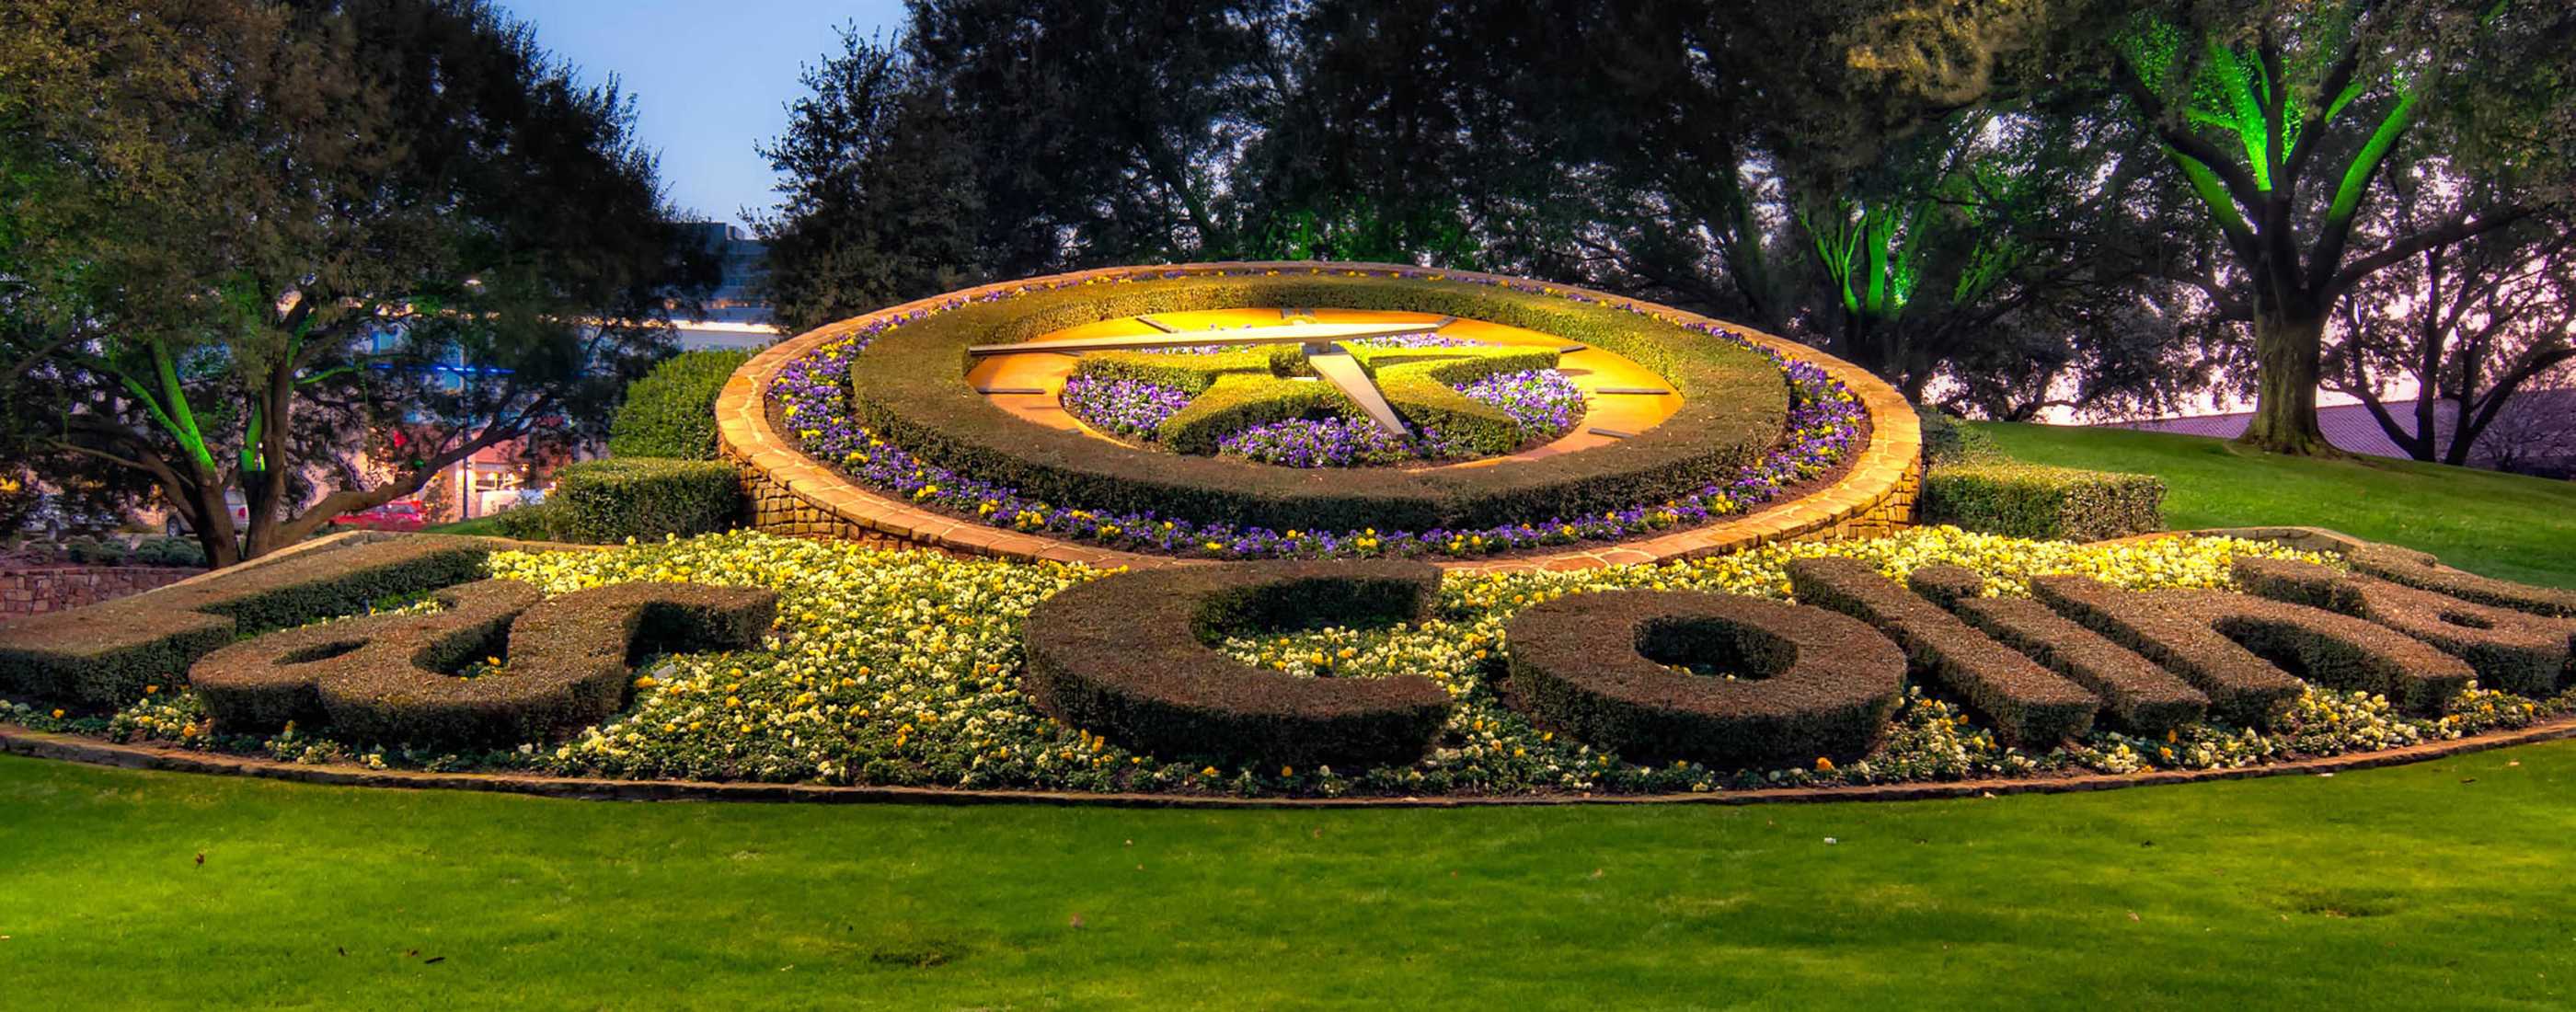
(792, 493)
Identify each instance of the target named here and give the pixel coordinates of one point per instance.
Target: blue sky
(710, 78)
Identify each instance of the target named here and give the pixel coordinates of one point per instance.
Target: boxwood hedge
(910, 387)
(1807, 683)
(607, 501)
(2039, 501)
(2138, 696)
(671, 412)
(2512, 650)
(262, 684)
(2029, 705)
(1128, 657)
(2241, 686)
(106, 654)
(568, 666)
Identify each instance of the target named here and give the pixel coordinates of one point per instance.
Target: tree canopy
(389, 226)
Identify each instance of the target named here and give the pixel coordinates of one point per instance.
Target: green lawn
(490, 526)
(2437, 885)
(2500, 524)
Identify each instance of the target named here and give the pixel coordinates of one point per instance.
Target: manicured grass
(2436, 885)
(485, 526)
(2500, 524)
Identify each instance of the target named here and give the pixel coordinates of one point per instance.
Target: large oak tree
(2283, 116)
(384, 231)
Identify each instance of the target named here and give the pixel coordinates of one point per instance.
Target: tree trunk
(2288, 353)
(213, 524)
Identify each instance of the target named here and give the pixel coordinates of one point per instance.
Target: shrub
(2037, 501)
(2139, 696)
(169, 552)
(567, 667)
(105, 654)
(2241, 687)
(1808, 683)
(260, 685)
(2421, 570)
(545, 521)
(2511, 650)
(671, 412)
(2028, 704)
(607, 501)
(909, 386)
(1128, 657)
(1947, 438)
(2327, 648)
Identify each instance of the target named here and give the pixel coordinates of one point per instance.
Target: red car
(399, 515)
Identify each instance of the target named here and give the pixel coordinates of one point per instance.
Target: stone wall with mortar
(39, 589)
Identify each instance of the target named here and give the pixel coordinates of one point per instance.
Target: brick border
(793, 494)
(16, 740)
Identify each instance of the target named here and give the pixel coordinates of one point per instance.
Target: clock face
(1359, 375)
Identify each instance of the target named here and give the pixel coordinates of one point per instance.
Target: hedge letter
(1128, 657)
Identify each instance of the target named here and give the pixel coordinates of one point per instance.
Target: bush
(2241, 686)
(2512, 650)
(1808, 683)
(2038, 501)
(2136, 694)
(910, 387)
(541, 522)
(569, 665)
(2029, 705)
(1127, 657)
(169, 552)
(608, 501)
(2327, 648)
(671, 412)
(260, 685)
(1947, 438)
(105, 654)
(2424, 572)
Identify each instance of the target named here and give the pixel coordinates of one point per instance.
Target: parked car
(176, 527)
(398, 515)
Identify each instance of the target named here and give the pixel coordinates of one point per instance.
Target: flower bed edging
(794, 494)
(15, 740)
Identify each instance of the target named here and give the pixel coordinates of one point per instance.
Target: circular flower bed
(1664, 480)
(1542, 401)
(906, 668)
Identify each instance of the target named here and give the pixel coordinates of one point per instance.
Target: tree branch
(2453, 232)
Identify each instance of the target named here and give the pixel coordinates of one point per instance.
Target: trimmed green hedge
(1128, 657)
(608, 501)
(104, 655)
(2039, 501)
(2328, 648)
(260, 685)
(2241, 686)
(569, 666)
(2136, 694)
(1948, 439)
(671, 412)
(2515, 651)
(2029, 705)
(2424, 572)
(1811, 684)
(910, 386)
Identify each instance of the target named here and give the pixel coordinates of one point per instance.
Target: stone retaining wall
(793, 494)
(41, 589)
